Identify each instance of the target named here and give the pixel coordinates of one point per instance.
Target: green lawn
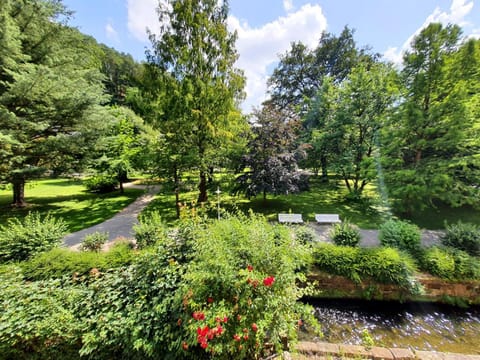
(321, 199)
(69, 200)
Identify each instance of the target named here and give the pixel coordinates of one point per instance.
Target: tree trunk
(323, 161)
(176, 182)
(19, 192)
(202, 187)
(121, 187)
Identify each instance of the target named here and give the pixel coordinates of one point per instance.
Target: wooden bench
(327, 218)
(290, 218)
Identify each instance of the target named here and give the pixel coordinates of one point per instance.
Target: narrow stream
(421, 326)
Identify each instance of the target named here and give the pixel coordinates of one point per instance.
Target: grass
(322, 198)
(69, 200)
(330, 198)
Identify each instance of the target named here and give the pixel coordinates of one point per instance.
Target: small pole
(218, 202)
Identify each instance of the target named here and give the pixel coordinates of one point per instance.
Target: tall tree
(300, 72)
(196, 54)
(48, 90)
(431, 152)
(364, 100)
(270, 166)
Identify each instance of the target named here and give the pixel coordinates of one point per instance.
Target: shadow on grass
(79, 211)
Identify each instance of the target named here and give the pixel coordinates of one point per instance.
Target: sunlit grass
(69, 200)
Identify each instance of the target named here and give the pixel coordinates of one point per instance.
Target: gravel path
(370, 237)
(121, 224)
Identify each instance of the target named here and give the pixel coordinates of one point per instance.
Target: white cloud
(288, 5)
(111, 33)
(459, 9)
(259, 47)
(141, 15)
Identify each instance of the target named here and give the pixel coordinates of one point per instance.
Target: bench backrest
(327, 218)
(290, 218)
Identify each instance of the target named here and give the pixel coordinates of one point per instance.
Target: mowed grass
(321, 199)
(331, 198)
(67, 199)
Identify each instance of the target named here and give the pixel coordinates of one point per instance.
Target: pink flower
(254, 327)
(268, 281)
(236, 337)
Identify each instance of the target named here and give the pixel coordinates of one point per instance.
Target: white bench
(327, 218)
(290, 218)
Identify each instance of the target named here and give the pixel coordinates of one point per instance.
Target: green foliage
(39, 320)
(463, 236)
(94, 241)
(149, 230)
(384, 265)
(59, 262)
(450, 263)
(101, 183)
(345, 234)
(401, 235)
(20, 239)
(244, 271)
(305, 234)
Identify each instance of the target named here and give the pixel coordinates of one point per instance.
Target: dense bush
(345, 234)
(463, 236)
(384, 265)
(94, 241)
(20, 239)
(101, 183)
(39, 319)
(150, 230)
(401, 235)
(60, 262)
(450, 263)
(225, 288)
(305, 234)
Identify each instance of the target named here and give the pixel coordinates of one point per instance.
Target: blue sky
(267, 27)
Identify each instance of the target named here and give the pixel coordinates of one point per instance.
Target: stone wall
(434, 289)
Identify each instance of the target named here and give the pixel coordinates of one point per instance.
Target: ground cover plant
(68, 199)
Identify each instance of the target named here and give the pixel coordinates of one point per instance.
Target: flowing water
(419, 326)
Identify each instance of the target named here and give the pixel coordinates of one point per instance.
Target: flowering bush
(239, 298)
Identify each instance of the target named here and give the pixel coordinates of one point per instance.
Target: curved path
(121, 224)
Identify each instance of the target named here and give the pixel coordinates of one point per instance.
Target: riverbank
(321, 350)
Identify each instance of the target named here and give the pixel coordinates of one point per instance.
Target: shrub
(450, 263)
(94, 241)
(149, 230)
(101, 183)
(20, 239)
(345, 234)
(463, 236)
(60, 262)
(305, 234)
(39, 319)
(401, 235)
(383, 265)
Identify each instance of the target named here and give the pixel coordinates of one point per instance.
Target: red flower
(210, 300)
(203, 331)
(254, 327)
(239, 317)
(268, 281)
(198, 315)
(179, 322)
(225, 319)
(236, 337)
(184, 346)
(249, 267)
(204, 345)
(245, 337)
(219, 330)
